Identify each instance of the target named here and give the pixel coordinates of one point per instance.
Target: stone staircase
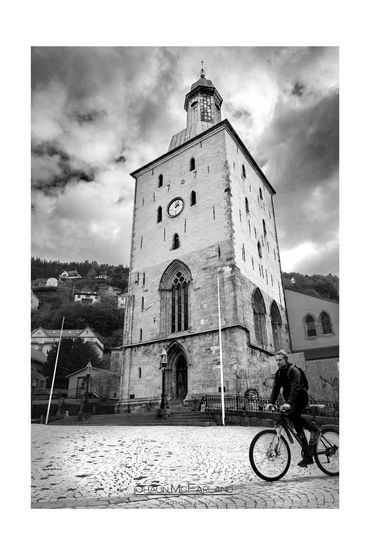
(180, 415)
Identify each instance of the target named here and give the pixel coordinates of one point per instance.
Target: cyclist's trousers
(300, 422)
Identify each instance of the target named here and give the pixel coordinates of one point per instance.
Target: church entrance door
(181, 377)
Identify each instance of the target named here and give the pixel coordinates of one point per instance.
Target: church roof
(202, 82)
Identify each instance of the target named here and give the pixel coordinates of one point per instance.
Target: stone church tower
(201, 209)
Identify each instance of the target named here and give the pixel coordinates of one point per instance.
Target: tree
(74, 354)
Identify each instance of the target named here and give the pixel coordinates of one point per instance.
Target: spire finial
(202, 73)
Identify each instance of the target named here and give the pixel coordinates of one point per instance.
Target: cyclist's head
(281, 358)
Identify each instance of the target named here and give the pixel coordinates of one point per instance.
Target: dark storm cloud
(241, 114)
(51, 169)
(90, 116)
(298, 89)
(303, 147)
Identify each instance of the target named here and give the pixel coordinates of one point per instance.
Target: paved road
(163, 467)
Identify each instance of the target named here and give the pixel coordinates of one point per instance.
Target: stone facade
(214, 237)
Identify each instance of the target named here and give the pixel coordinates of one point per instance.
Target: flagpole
(220, 346)
(55, 369)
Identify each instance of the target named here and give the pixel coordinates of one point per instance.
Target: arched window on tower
(310, 326)
(261, 197)
(276, 326)
(259, 314)
(175, 242)
(193, 198)
(192, 164)
(259, 248)
(325, 323)
(174, 295)
(159, 214)
(244, 175)
(160, 180)
(264, 227)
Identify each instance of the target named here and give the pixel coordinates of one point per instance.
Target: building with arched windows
(314, 331)
(212, 215)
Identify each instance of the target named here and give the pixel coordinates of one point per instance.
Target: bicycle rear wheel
(269, 455)
(327, 451)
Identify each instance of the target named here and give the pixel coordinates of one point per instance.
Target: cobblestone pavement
(164, 467)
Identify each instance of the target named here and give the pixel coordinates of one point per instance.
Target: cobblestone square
(164, 467)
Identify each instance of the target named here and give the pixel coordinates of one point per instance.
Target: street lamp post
(33, 387)
(87, 394)
(164, 404)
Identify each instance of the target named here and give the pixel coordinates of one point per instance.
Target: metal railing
(256, 404)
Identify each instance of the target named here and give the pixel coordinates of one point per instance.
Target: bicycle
(270, 456)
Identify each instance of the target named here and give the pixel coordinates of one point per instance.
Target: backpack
(304, 380)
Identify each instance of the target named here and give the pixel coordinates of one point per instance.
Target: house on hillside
(73, 274)
(314, 331)
(86, 297)
(43, 339)
(52, 282)
(102, 277)
(110, 292)
(102, 384)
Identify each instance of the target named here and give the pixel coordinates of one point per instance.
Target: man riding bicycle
(295, 395)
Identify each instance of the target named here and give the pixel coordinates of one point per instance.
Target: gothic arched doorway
(177, 366)
(181, 377)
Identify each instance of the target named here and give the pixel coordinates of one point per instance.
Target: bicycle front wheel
(327, 451)
(269, 455)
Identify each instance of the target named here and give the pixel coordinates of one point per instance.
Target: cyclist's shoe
(305, 461)
(314, 437)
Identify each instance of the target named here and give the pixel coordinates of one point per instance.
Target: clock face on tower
(175, 207)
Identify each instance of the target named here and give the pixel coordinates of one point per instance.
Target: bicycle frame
(283, 424)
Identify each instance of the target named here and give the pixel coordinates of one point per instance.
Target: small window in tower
(143, 278)
(192, 164)
(141, 243)
(246, 205)
(159, 214)
(243, 252)
(139, 372)
(175, 242)
(264, 227)
(193, 198)
(244, 175)
(261, 197)
(259, 248)
(194, 104)
(142, 303)
(141, 335)
(160, 180)
(219, 251)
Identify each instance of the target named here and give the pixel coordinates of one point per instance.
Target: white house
(86, 297)
(44, 339)
(314, 333)
(73, 274)
(52, 282)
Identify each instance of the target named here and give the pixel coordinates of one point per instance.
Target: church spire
(202, 72)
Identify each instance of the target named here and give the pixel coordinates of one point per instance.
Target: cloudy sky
(100, 113)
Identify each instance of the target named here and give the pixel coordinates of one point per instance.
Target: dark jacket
(289, 378)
